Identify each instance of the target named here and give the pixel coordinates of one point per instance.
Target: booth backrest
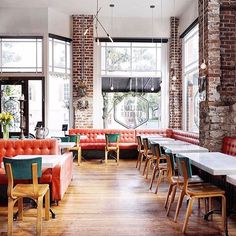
(229, 146)
(98, 135)
(13, 147)
(162, 132)
(186, 136)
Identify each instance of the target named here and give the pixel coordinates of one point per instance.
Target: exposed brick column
(175, 87)
(217, 112)
(82, 58)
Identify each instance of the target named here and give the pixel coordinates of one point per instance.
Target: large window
(131, 59)
(59, 84)
(21, 55)
(190, 69)
(132, 97)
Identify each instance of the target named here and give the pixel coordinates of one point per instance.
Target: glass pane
(68, 57)
(50, 55)
(191, 50)
(35, 104)
(59, 103)
(20, 55)
(59, 54)
(118, 58)
(10, 103)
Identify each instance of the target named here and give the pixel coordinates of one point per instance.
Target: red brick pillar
(82, 59)
(175, 86)
(217, 112)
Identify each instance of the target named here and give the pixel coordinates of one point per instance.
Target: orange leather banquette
(229, 146)
(94, 138)
(58, 177)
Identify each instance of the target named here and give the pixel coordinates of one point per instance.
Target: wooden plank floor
(110, 200)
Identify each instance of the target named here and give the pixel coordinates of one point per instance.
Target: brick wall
(175, 87)
(217, 112)
(82, 59)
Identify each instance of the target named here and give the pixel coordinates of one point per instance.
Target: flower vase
(5, 131)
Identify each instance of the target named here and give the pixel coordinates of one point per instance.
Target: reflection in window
(191, 94)
(21, 54)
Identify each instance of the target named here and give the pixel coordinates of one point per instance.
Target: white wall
(59, 23)
(190, 14)
(18, 21)
(135, 27)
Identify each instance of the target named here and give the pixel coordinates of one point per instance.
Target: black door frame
(24, 81)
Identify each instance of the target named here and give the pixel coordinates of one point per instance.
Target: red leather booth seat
(229, 146)
(185, 136)
(58, 177)
(94, 141)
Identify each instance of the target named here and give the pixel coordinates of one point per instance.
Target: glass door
(11, 90)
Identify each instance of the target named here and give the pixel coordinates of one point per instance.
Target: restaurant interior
(117, 117)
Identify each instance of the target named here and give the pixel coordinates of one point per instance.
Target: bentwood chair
(27, 169)
(198, 191)
(175, 181)
(158, 167)
(140, 151)
(112, 145)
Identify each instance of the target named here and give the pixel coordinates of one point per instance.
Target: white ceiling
(123, 8)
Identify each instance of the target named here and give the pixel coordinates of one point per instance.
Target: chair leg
(141, 160)
(159, 179)
(179, 204)
(47, 204)
(145, 165)
(148, 167)
(10, 216)
(168, 195)
(39, 216)
(171, 199)
(106, 153)
(224, 217)
(118, 156)
(79, 155)
(188, 213)
(20, 209)
(138, 159)
(155, 169)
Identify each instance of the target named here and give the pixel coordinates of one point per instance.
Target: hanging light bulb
(111, 82)
(86, 31)
(112, 88)
(98, 42)
(203, 66)
(174, 77)
(152, 88)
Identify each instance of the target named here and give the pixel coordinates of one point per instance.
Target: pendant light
(97, 23)
(152, 8)
(174, 78)
(203, 66)
(161, 22)
(111, 6)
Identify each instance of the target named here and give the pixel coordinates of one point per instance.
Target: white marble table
(48, 161)
(66, 144)
(214, 163)
(171, 142)
(175, 149)
(151, 139)
(231, 179)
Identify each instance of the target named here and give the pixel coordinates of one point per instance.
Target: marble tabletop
(215, 163)
(66, 144)
(175, 149)
(231, 179)
(48, 161)
(171, 142)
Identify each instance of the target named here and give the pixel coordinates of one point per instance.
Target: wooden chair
(112, 145)
(28, 169)
(198, 191)
(147, 154)
(175, 181)
(158, 167)
(140, 152)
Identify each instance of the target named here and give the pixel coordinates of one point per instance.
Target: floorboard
(110, 200)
